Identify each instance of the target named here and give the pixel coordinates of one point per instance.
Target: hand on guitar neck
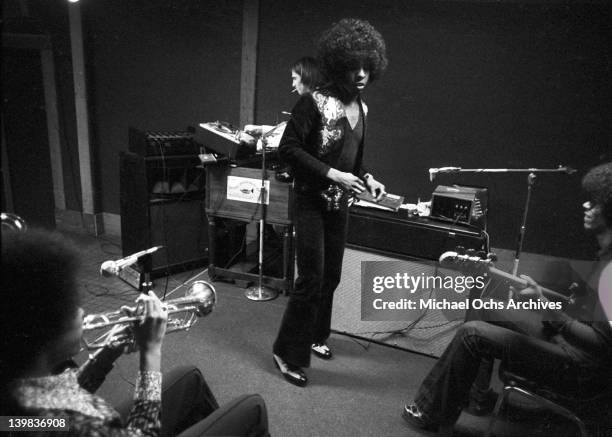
(530, 289)
(533, 290)
(527, 286)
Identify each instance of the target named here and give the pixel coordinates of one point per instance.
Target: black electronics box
(460, 205)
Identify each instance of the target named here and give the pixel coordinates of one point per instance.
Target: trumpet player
(42, 324)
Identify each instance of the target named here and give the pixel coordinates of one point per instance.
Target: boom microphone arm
(561, 169)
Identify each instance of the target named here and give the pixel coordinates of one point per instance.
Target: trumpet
(12, 222)
(115, 329)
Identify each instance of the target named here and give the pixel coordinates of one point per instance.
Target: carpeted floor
(359, 393)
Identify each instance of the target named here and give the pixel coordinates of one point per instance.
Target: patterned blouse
(88, 414)
(313, 140)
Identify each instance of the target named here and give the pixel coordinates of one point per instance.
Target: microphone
(434, 171)
(109, 268)
(567, 169)
(432, 174)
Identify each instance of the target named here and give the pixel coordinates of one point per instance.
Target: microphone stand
(146, 264)
(530, 183)
(261, 292)
(531, 177)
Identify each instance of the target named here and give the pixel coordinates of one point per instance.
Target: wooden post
(248, 72)
(92, 221)
(53, 127)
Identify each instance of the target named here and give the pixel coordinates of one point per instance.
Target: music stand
(530, 182)
(260, 292)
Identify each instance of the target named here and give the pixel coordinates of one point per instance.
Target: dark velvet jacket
(313, 140)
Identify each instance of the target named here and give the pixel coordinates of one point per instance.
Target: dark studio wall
(475, 85)
(48, 18)
(153, 65)
(470, 84)
(157, 65)
(24, 131)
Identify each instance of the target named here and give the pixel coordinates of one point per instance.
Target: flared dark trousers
(320, 241)
(476, 344)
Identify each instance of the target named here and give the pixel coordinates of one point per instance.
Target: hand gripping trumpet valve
(114, 329)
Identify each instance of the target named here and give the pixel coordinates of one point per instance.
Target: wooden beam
(6, 174)
(248, 72)
(92, 221)
(53, 127)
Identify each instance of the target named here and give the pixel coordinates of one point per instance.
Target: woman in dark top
(323, 142)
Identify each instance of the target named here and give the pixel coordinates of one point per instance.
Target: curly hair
(40, 294)
(598, 184)
(308, 69)
(349, 45)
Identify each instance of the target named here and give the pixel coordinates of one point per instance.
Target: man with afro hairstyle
(561, 352)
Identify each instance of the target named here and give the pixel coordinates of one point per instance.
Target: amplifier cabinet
(233, 192)
(389, 233)
(162, 143)
(162, 204)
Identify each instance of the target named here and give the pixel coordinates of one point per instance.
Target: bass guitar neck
(473, 263)
(519, 282)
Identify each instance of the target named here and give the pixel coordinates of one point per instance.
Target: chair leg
(539, 399)
(562, 411)
(498, 406)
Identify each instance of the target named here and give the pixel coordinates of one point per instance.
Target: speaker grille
(181, 227)
(430, 335)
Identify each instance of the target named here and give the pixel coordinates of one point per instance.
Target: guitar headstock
(469, 260)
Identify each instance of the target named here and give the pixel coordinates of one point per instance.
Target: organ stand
(234, 193)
